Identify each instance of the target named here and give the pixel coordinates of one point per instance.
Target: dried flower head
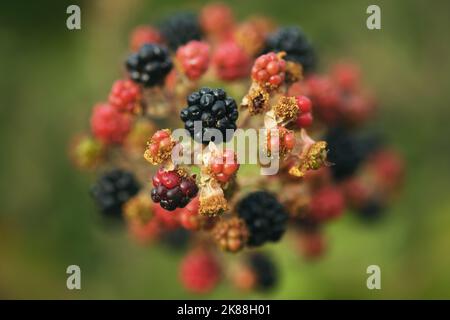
(312, 157)
(257, 100)
(286, 109)
(159, 148)
(139, 209)
(279, 142)
(212, 199)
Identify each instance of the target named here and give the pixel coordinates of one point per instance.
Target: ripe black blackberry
(294, 42)
(179, 29)
(264, 269)
(346, 151)
(264, 216)
(171, 190)
(113, 189)
(150, 65)
(215, 111)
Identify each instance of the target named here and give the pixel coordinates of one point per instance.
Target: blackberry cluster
(150, 65)
(179, 29)
(264, 216)
(171, 190)
(265, 271)
(346, 151)
(113, 189)
(215, 111)
(294, 42)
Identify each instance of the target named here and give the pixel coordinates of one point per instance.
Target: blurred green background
(51, 77)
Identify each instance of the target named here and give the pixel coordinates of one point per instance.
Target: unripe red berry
(231, 62)
(305, 120)
(326, 98)
(142, 35)
(326, 204)
(223, 166)
(304, 104)
(269, 69)
(124, 95)
(216, 168)
(356, 193)
(357, 108)
(217, 19)
(200, 271)
(109, 125)
(347, 76)
(389, 169)
(194, 58)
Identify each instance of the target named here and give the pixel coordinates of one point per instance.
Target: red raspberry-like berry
(389, 169)
(172, 190)
(223, 166)
(109, 125)
(305, 117)
(194, 58)
(304, 104)
(326, 98)
(356, 109)
(217, 19)
(200, 271)
(326, 204)
(124, 95)
(305, 120)
(347, 76)
(231, 62)
(269, 70)
(355, 192)
(142, 35)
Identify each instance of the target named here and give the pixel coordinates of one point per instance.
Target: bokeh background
(51, 77)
